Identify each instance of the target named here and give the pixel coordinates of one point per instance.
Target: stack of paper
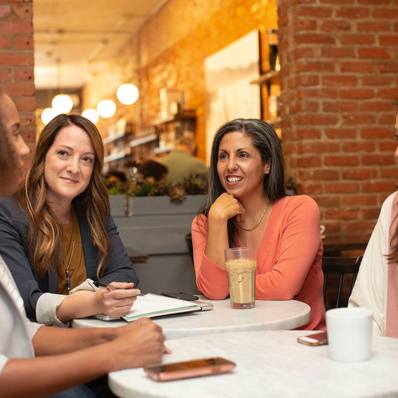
(152, 305)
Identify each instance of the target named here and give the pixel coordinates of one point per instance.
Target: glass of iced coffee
(241, 268)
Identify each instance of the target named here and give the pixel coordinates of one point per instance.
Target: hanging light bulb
(91, 114)
(106, 108)
(62, 103)
(47, 115)
(127, 94)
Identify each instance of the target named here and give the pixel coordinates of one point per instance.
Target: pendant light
(127, 94)
(91, 114)
(106, 108)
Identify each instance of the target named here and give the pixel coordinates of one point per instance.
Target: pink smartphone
(314, 339)
(186, 369)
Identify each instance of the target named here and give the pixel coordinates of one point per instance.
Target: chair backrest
(188, 241)
(334, 270)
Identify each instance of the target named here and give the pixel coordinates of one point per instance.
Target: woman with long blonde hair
(56, 233)
(67, 357)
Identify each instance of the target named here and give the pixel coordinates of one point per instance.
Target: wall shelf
(143, 140)
(113, 138)
(266, 77)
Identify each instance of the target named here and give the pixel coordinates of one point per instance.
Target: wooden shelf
(184, 116)
(143, 140)
(113, 157)
(266, 77)
(115, 137)
(163, 150)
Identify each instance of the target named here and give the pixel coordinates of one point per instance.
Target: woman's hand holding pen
(117, 299)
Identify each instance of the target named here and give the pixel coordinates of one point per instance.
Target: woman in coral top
(247, 206)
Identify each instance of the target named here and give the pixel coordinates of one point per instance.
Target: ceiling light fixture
(47, 115)
(62, 103)
(106, 108)
(91, 114)
(127, 94)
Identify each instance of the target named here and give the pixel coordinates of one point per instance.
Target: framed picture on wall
(229, 94)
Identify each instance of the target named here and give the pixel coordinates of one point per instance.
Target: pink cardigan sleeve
(289, 257)
(211, 280)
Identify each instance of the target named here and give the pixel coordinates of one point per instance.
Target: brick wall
(17, 61)
(339, 76)
(170, 50)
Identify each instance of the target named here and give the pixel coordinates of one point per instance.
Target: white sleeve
(370, 288)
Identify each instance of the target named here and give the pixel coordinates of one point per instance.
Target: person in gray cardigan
(67, 357)
(56, 233)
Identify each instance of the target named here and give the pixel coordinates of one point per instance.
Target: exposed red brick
(373, 53)
(320, 175)
(353, 12)
(378, 160)
(359, 174)
(23, 43)
(5, 43)
(342, 187)
(342, 214)
(360, 39)
(334, 25)
(336, 52)
(356, 200)
(314, 38)
(376, 132)
(17, 27)
(358, 119)
(309, 161)
(318, 12)
(388, 13)
(339, 80)
(24, 75)
(357, 66)
(340, 106)
(356, 93)
(341, 160)
(5, 75)
(374, 26)
(340, 133)
(361, 146)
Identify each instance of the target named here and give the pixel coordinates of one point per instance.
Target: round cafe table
(266, 315)
(268, 364)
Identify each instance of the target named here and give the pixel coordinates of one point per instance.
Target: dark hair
(151, 168)
(266, 141)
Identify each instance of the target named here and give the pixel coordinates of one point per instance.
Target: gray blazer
(15, 251)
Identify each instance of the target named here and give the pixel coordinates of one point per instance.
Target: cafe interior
(323, 74)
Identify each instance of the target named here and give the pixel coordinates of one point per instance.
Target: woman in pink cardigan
(247, 206)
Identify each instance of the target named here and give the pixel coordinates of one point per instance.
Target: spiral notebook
(153, 305)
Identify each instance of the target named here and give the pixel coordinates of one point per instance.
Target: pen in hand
(109, 286)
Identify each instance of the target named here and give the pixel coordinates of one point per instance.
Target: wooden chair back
(336, 270)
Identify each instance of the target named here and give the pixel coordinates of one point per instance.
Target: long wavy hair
(266, 141)
(44, 234)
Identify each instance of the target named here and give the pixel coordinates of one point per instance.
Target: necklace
(258, 222)
(70, 258)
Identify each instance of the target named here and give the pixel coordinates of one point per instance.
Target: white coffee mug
(349, 333)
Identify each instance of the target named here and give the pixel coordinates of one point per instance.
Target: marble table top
(268, 364)
(267, 315)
